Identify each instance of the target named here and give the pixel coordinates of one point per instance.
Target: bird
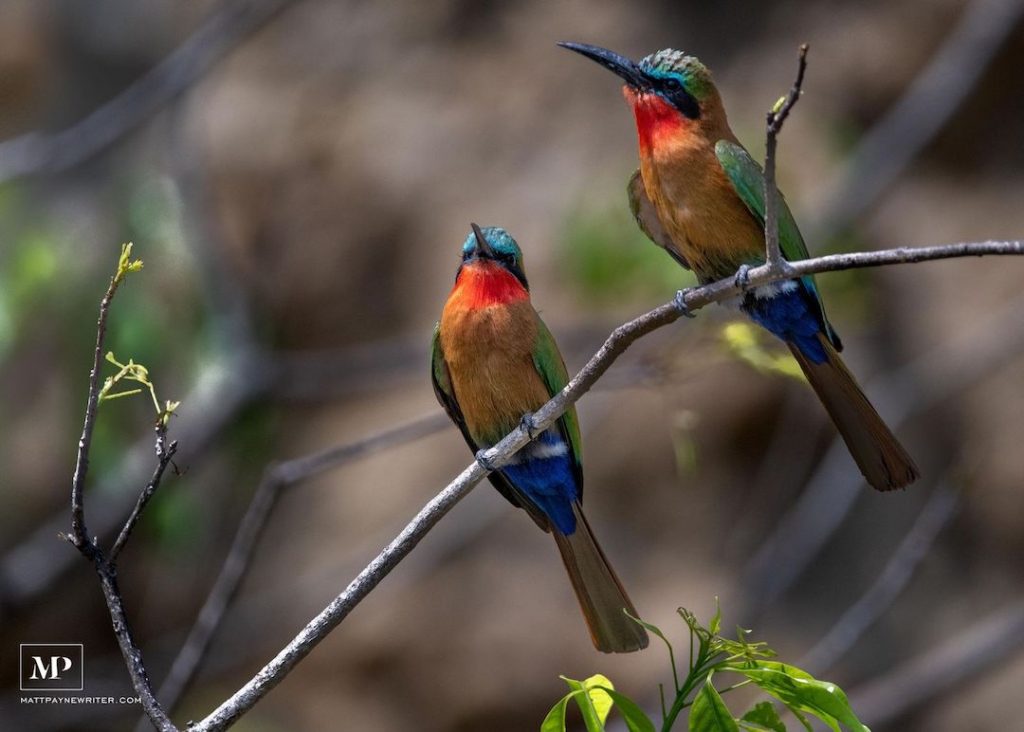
(699, 195)
(493, 363)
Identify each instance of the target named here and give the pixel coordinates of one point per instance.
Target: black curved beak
(483, 249)
(612, 61)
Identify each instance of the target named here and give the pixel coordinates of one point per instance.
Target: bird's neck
(483, 284)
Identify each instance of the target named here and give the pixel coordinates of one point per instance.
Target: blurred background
(298, 176)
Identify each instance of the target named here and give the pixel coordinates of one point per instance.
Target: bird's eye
(508, 260)
(672, 85)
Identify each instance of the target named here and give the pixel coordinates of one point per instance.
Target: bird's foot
(680, 302)
(742, 278)
(484, 462)
(529, 425)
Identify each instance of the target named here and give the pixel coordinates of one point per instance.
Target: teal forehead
(499, 239)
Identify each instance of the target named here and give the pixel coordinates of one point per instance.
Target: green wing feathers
(551, 367)
(747, 179)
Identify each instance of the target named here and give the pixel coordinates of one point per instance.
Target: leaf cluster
(711, 655)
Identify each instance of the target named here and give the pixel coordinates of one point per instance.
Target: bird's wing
(442, 381)
(646, 216)
(551, 367)
(747, 179)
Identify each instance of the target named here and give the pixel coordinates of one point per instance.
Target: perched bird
(700, 195)
(493, 363)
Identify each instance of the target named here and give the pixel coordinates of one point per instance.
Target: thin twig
(44, 152)
(339, 608)
(164, 454)
(79, 534)
(774, 120)
(239, 557)
(104, 567)
(224, 386)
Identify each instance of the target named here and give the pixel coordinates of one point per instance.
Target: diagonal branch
(619, 340)
(239, 557)
(164, 454)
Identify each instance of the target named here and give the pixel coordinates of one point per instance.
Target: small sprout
(138, 373)
(167, 413)
(125, 263)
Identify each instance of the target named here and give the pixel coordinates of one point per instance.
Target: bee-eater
(493, 364)
(700, 195)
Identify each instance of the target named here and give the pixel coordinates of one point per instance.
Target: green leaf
(555, 719)
(632, 714)
(584, 700)
(709, 713)
(763, 717)
(716, 620)
(597, 688)
(801, 692)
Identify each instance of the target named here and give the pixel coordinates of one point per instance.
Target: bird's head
(492, 247)
(669, 91)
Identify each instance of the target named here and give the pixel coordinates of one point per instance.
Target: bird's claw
(529, 425)
(484, 462)
(680, 302)
(742, 278)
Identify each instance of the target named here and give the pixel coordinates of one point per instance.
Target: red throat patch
(484, 283)
(655, 118)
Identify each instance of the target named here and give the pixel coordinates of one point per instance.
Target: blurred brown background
(299, 209)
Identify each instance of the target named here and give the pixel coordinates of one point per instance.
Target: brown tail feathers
(880, 457)
(599, 591)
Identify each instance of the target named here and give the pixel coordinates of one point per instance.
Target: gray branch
(239, 557)
(620, 339)
(775, 119)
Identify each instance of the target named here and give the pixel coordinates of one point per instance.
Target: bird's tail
(599, 591)
(880, 457)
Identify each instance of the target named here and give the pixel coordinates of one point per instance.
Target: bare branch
(436, 508)
(80, 538)
(132, 654)
(620, 339)
(79, 533)
(775, 118)
(239, 557)
(164, 454)
(43, 152)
